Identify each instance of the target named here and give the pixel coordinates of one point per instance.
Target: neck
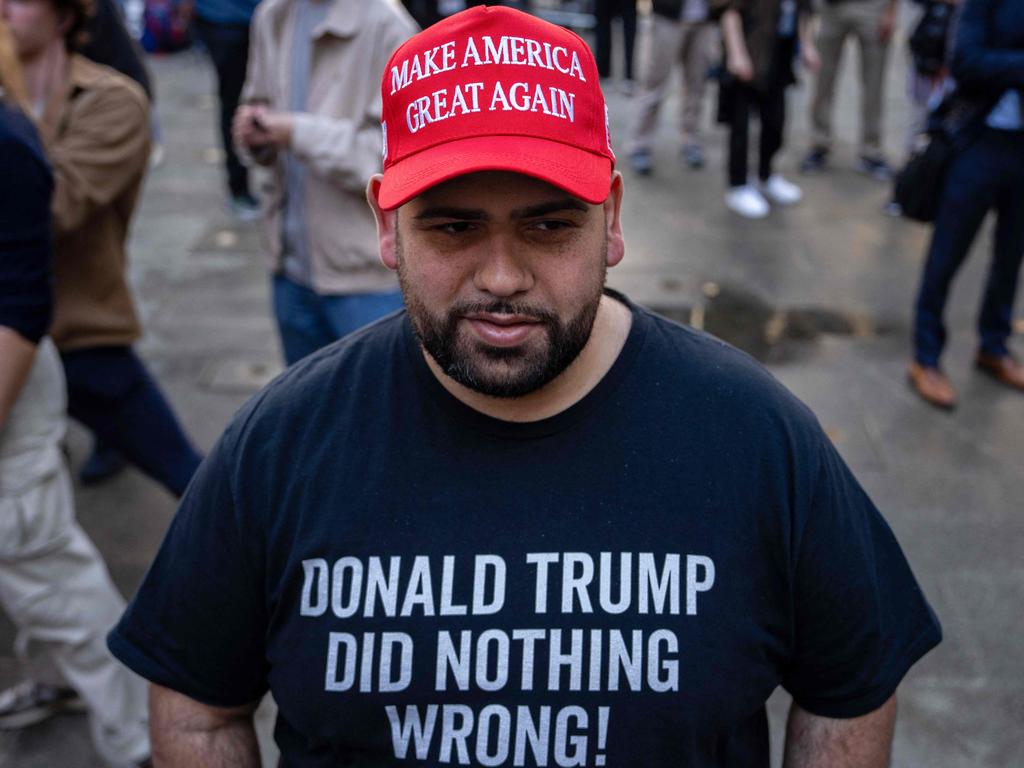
(611, 327)
(45, 72)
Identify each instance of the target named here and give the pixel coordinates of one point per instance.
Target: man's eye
(455, 227)
(552, 225)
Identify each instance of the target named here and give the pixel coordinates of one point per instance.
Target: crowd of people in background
(298, 90)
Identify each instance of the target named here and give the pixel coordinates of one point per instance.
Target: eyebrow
(477, 214)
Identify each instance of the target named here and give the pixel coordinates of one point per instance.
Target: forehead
(495, 192)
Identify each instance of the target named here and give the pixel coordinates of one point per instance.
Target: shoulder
(106, 93)
(316, 393)
(266, 11)
(22, 154)
(722, 383)
(389, 18)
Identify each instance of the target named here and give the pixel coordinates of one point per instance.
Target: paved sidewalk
(821, 292)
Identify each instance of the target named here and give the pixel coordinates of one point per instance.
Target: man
(312, 114)
(94, 123)
(675, 31)
(223, 28)
(53, 583)
(871, 23)
(525, 522)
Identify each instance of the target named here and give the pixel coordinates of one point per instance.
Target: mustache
(520, 309)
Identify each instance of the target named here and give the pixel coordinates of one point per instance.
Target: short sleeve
(860, 620)
(198, 623)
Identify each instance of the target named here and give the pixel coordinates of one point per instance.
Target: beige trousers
(663, 43)
(840, 20)
(53, 582)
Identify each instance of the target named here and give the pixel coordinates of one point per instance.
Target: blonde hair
(12, 86)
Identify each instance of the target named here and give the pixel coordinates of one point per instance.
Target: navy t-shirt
(622, 584)
(26, 186)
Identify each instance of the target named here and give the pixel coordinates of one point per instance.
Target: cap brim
(581, 173)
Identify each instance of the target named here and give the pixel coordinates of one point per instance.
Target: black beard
(519, 371)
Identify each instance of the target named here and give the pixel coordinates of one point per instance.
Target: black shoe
(103, 463)
(875, 167)
(815, 161)
(693, 155)
(29, 703)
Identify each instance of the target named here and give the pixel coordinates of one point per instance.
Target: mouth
(502, 330)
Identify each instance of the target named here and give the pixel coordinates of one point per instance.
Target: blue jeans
(308, 321)
(111, 392)
(987, 175)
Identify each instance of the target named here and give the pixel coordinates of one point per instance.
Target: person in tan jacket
(94, 123)
(311, 113)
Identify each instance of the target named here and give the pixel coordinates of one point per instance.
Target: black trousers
(111, 392)
(606, 10)
(228, 45)
(770, 105)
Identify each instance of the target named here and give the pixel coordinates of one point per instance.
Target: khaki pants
(53, 583)
(839, 20)
(663, 43)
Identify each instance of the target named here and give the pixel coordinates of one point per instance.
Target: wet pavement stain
(770, 334)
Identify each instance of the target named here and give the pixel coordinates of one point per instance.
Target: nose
(503, 270)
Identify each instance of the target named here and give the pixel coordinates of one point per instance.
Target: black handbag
(918, 187)
(954, 124)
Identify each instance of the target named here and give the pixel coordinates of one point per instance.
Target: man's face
(34, 25)
(502, 275)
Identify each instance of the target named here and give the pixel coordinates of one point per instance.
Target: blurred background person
(109, 42)
(312, 113)
(53, 583)
(604, 12)
(425, 12)
(760, 41)
(988, 66)
(931, 47)
(94, 123)
(871, 24)
(676, 31)
(222, 26)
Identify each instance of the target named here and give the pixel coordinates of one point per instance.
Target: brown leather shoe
(932, 386)
(1002, 368)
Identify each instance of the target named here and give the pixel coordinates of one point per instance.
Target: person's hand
(256, 125)
(273, 127)
(740, 66)
(244, 131)
(887, 24)
(810, 57)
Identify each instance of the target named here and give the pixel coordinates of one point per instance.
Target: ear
(613, 221)
(387, 223)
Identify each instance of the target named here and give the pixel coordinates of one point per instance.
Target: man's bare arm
(187, 734)
(824, 742)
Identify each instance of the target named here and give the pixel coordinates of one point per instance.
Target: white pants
(55, 586)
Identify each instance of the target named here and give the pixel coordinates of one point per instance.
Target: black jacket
(110, 44)
(988, 58)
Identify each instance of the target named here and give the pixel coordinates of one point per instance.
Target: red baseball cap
(494, 89)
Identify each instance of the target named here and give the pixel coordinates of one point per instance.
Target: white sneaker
(780, 191)
(747, 201)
